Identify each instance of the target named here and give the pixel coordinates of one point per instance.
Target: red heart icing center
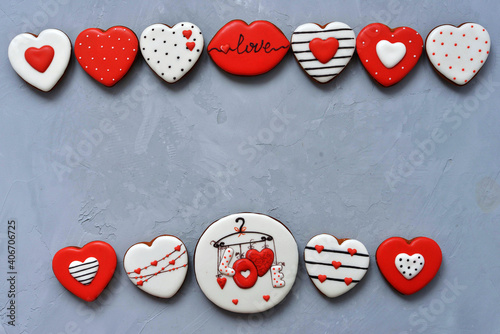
(40, 59)
(324, 50)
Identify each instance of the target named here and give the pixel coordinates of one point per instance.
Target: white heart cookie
(409, 266)
(319, 71)
(158, 267)
(84, 272)
(171, 52)
(458, 53)
(390, 54)
(335, 268)
(40, 60)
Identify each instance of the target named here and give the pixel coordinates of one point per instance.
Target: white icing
(277, 276)
(225, 262)
(390, 54)
(317, 70)
(320, 263)
(253, 299)
(84, 272)
(62, 52)
(165, 50)
(409, 266)
(454, 61)
(166, 283)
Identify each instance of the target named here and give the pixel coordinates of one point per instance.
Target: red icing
(102, 251)
(366, 43)
(322, 278)
(242, 49)
(262, 260)
(336, 264)
(40, 59)
(352, 251)
(140, 283)
(235, 301)
(172, 262)
(154, 263)
(178, 248)
(319, 248)
(324, 50)
(347, 280)
(137, 271)
(240, 280)
(190, 45)
(390, 248)
(187, 33)
(110, 55)
(222, 282)
(266, 297)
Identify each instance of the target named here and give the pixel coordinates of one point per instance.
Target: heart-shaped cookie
(458, 53)
(40, 60)
(171, 52)
(323, 51)
(335, 266)
(158, 267)
(85, 271)
(106, 55)
(262, 260)
(388, 55)
(409, 265)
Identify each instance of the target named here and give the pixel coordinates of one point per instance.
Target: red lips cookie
(85, 271)
(247, 50)
(106, 55)
(388, 55)
(409, 265)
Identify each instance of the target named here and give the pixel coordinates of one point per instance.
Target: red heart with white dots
(388, 55)
(106, 55)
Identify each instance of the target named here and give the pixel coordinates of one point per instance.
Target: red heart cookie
(85, 271)
(388, 55)
(409, 265)
(106, 55)
(242, 49)
(262, 260)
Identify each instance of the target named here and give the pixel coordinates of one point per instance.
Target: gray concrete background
(353, 159)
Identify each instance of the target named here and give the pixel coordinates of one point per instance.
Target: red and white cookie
(388, 55)
(40, 60)
(85, 271)
(458, 53)
(248, 49)
(323, 51)
(158, 267)
(409, 265)
(335, 266)
(106, 55)
(171, 52)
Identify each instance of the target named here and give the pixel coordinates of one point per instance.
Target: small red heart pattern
(392, 250)
(106, 55)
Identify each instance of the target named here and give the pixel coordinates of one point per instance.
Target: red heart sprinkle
(319, 248)
(172, 262)
(138, 271)
(266, 297)
(235, 301)
(347, 280)
(139, 283)
(187, 33)
(222, 282)
(178, 248)
(336, 264)
(190, 45)
(352, 251)
(322, 278)
(225, 48)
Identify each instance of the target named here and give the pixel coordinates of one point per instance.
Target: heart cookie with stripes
(335, 266)
(323, 51)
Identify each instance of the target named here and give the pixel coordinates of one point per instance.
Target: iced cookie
(335, 266)
(388, 55)
(40, 60)
(409, 265)
(458, 53)
(323, 51)
(246, 262)
(171, 52)
(248, 49)
(85, 271)
(158, 267)
(106, 55)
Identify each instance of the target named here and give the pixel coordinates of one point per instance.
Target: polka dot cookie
(388, 55)
(458, 53)
(171, 52)
(106, 55)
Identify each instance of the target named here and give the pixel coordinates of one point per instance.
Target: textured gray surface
(177, 157)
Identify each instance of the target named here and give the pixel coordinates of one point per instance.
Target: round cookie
(158, 267)
(246, 262)
(335, 266)
(40, 60)
(171, 52)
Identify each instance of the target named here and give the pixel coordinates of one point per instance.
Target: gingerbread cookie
(158, 267)
(335, 266)
(246, 262)
(106, 55)
(323, 51)
(409, 265)
(248, 49)
(388, 55)
(85, 271)
(171, 52)
(40, 60)
(458, 53)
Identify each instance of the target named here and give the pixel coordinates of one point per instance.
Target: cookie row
(388, 55)
(247, 263)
